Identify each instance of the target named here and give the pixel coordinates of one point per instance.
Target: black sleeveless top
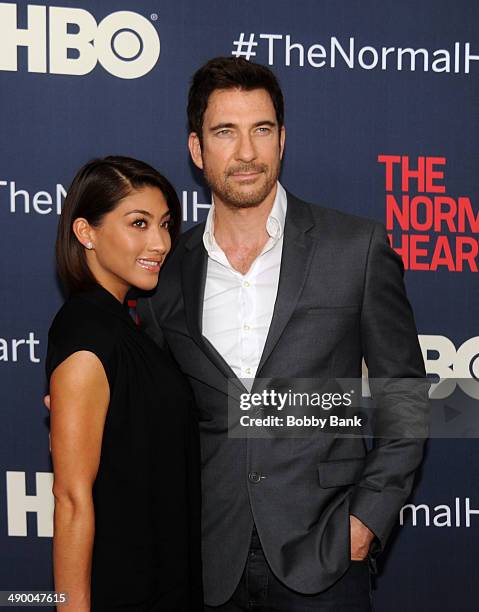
(146, 554)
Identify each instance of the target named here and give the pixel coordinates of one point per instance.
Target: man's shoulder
(187, 240)
(330, 219)
(191, 237)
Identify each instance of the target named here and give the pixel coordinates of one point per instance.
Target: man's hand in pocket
(361, 538)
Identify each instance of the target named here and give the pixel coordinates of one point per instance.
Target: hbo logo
(125, 43)
(453, 366)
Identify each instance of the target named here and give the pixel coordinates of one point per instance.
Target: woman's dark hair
(230, 73)
(96, 190)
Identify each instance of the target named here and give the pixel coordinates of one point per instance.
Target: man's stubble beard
(223, 188)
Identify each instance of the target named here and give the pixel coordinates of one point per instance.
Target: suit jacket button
(254, 477)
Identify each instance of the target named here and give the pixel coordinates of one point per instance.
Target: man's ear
(282, 140)
(194, 146)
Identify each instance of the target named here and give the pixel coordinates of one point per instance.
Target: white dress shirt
(238, 308)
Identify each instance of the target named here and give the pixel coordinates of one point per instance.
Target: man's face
(242, 146)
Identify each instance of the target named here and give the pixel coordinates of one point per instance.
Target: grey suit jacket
(340, 298)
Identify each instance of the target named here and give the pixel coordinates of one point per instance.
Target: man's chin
(245, 197)
(246, 201)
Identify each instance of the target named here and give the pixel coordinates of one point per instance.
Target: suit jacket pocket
(341, 472)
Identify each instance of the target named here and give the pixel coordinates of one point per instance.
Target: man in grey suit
(268, 287)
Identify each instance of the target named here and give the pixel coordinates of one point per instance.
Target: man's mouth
(246, 172)
(246, 176)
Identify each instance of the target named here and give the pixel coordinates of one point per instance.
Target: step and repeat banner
(382, 121)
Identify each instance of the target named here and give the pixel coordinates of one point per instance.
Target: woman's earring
(89, 245)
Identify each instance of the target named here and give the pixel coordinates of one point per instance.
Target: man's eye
(141, 223)
(223, 132)
(263, 130)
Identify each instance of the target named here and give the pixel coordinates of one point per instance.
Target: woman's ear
(83, 232)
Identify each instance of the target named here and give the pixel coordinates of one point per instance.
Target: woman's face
(131, 243)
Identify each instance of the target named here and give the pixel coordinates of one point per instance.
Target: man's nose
(246, 151)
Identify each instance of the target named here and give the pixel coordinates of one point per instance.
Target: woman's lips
(152, 265)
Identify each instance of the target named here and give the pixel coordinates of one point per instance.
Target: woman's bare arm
(80, 394)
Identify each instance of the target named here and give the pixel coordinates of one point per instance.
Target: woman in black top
(123, 428)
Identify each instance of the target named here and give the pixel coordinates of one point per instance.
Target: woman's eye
(167, 224)
(141, 223)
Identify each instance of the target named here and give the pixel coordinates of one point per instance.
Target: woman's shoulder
(82, 325)
(79, 316)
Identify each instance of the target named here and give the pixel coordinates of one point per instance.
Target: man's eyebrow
(266, 122)
(221, 126)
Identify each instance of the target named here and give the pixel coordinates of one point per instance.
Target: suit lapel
(296, 257)
(193, 277)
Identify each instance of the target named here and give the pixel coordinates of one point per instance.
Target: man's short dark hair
(230, 73)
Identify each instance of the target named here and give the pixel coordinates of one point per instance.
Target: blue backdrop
(375, 91)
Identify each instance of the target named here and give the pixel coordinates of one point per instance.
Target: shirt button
(254, 477)
(245, 284)
(248, 370)
(246, 327)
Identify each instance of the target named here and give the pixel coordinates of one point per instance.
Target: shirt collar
(274, 223)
